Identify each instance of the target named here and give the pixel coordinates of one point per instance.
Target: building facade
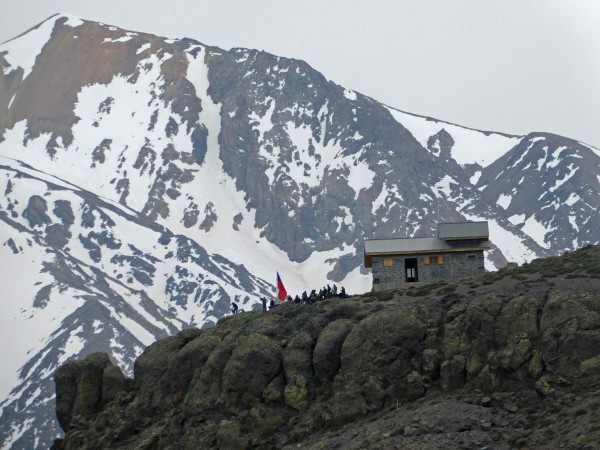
(457, 252)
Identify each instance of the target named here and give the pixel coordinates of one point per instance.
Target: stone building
(456, 252)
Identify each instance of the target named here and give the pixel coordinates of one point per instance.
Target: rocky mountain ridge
(507, 359)
(150, 182)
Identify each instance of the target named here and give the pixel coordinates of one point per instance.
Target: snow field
(468, 143)
(247, 247)
(23, 51)
(536, 231)
(25, 328)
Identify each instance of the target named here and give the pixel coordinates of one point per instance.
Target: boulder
(382, 346)
(544, 387)
(536, 365)
(205, 387)
(346, 405)
(154, 362)
(453, 373)
(297, 357)
(295, 393)
(188, 362)
(571, 331)
(83, 387)
(589, 373)
(273, 393)
(518, 320)
(113, 382)
(327, 352)
(414, 386)
(153, 375)
(253, 364)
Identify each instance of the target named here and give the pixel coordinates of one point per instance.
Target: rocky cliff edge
(508, 359)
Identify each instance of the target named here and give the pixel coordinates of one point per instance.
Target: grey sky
(506, 65)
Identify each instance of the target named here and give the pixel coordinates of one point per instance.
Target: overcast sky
(505, 65)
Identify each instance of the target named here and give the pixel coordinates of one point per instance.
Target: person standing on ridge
(263, 299)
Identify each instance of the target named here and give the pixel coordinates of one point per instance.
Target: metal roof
(419, 245)
(407, 246)
(463, 230)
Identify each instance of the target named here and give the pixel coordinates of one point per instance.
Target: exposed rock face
(35, 213)
(83, 387)
(516, 338)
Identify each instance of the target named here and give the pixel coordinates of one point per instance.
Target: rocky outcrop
(266, 380)
(83, 387)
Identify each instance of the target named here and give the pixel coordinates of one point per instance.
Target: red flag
(281, 292)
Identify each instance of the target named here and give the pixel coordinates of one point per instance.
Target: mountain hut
(456, 252)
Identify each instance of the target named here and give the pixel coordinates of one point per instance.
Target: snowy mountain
(149, 182)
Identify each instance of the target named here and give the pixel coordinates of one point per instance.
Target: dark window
(410, 270)
(375, 280)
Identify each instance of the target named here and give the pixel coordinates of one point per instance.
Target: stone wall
(455, 265)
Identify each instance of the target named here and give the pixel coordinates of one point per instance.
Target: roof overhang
(419, 246)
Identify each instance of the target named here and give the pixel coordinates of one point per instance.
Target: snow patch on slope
(360, 177)
(470, 146)
(127, 37)
(572, 170)
(349, 94)
(212, 184)
(504, 201)
(22, 52)
(73, 346)
(536, 231)
(513, 247)
(27, 326)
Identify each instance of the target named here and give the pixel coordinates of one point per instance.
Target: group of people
(307, 299)
(323, 294)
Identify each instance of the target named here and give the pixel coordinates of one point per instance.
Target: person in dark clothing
(334, 290)
(234, 307)
(343, 293)
(272, 304)
(264, 303)
(297, 299)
